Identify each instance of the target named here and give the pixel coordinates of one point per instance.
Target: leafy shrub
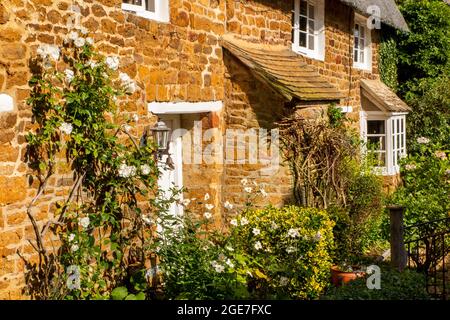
(426, 184)
(357, 223)
(395, 285)
(292, 246)
(268, 253)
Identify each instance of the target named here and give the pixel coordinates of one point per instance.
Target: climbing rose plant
(103, 224)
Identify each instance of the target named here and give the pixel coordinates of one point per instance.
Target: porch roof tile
(382, 96)
(283, 70)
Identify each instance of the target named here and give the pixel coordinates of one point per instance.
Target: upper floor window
(151, 9)
(309, 31)
(362, 53)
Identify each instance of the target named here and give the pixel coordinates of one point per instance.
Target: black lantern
(161, 134)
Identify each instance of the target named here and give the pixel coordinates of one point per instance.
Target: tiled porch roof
(283, 70)
(383, 97)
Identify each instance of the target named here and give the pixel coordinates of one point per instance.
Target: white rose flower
(112, 63)
(248, 189)
(124, 77)
(84, 30)
(73, 35)
(219, 268)
(244, 182)
(256, 231)
(71, 237)
(135, 117)
(423, 140)
(126, 171)
(66, 128)
(80, 42)
(234, 222)
(209, 206)
(244, 221)
(293, 233)
(145, 169)
(53, 52)
(84, 222)
(74, 248)
(69, 75)
(186, 202)
(207, 215)
(228, 205)
(410, 167)
(258, 245)
(147, 220)
(206, 197)
(131, 87)
(229, 263)
(89, 41)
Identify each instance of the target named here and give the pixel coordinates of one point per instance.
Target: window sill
(362, 67)
(148, 15)
(308, 54)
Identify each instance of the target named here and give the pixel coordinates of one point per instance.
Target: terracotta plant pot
(339, 277)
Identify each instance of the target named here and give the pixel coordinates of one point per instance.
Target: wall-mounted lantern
(161, 136)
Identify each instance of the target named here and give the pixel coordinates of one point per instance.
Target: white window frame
(160, 14)
(395, 138)
(367, 64)
(319, 30)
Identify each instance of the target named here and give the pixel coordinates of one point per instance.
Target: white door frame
(176, 149)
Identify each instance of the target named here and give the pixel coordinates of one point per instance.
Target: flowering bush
(291, 247)
(267, 253)
(101, 228)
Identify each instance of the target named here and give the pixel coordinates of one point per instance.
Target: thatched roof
(379, 94)
(283, 70)
(390, 14)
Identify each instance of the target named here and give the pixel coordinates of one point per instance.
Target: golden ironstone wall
(177, 61)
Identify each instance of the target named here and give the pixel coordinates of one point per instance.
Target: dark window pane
(303, 7)
(302, 40)
(303, 24)
(362, 32)
(311, 26)
(375, 127)
(311, 12)
(135, 2)
(356, 32)
(355, 56)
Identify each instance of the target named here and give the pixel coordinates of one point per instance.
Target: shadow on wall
(252, 104)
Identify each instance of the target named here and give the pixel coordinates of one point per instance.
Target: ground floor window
(385, 139)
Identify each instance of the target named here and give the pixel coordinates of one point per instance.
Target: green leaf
(131, 297)
(140, 296)
(119, 293)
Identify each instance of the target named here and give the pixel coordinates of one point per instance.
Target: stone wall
(251, 104)
(179, 61)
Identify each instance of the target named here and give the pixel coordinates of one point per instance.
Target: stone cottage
(218, 73)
